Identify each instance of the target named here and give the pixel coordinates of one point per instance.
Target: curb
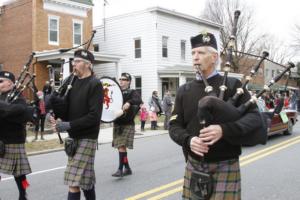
(99, 143)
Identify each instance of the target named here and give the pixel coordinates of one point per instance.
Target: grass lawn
(42, 145)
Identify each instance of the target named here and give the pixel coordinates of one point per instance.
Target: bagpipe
(24, 81)
(58, 97)
(214, 110)
(58, 101)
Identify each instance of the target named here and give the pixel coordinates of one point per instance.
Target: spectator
(293, 100)
(41, 115)
(155, 109)
(167, 108)
(143, 116)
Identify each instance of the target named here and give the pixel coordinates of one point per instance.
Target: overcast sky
(277, 18)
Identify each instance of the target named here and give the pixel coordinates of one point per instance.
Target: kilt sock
(125, 160)
(74, 196)
(121, 164)
(22, 185)
(90, 194)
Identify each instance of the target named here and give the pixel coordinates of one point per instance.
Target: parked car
(277, 125)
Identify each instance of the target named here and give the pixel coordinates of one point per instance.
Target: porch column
(118, 70)
(66, 68)
(182, 79)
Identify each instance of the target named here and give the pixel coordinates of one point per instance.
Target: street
(268, 172)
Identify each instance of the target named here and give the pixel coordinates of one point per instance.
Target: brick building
(44, 27)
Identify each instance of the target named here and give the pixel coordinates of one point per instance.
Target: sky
(275, 17)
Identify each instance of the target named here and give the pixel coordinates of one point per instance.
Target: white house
(156, 46)
(271, 70)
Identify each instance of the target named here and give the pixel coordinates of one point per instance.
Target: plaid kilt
(15, 161)
(226, 175)
(123, 136)
(80, 168)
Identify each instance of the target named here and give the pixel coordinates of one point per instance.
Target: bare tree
(222, 11)
(296, 45)
(279, 51)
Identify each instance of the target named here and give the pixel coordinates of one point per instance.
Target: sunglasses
(123, 79)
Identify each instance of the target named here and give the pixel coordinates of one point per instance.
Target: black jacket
(85, 102)
(134, 99)
(184, 123)
(13, 118)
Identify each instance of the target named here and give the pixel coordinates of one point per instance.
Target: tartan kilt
(80, 168)
(226, 176)
(15, 161)
(123, 136)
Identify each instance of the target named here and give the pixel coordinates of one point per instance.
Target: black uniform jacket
(85, 102)
(184, 123)
(134, 99)
(13, 117)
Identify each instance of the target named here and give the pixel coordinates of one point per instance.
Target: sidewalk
(106, 134)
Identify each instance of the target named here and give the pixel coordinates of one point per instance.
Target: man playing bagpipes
(82, 122)
(123, 131)
(211, 158)
(14, 114)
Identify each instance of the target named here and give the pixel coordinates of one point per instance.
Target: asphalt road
(158, 167)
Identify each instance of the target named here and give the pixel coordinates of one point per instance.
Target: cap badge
(83, 53)
(206, 38)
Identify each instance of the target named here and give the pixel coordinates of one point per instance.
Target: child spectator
(143, 116)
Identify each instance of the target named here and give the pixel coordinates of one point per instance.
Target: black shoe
(127, 172)
(118, 173)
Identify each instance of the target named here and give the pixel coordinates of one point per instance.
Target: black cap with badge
(204, 39)
(8, 75)
(84, 54)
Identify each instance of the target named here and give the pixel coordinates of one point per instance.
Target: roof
(54, 54)
(171, 13)
(185, 16)
(87, 2)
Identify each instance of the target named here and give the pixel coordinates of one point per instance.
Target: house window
(77, 32)
(96, 47)
(138, 85)
(1, 67)
(164, 47)
(277, 71)
(137, 48)
(273, 73)
(53, 30)
(182, 49)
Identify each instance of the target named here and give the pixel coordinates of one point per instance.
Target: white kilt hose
(80, 168)
(15, 161)
(123, 135)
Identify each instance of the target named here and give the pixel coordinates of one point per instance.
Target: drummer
(123, 131)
